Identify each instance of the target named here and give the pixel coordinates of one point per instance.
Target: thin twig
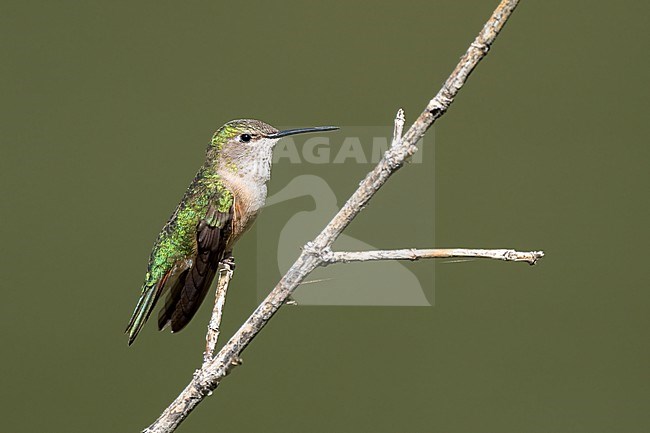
(209, 376)
(331, 257)
(225, 273)
(398, 128)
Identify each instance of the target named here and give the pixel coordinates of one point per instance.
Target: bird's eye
(245, 138)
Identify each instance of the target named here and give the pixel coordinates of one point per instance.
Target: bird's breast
(249, 198)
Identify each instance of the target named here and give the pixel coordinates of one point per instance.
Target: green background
(106, 109)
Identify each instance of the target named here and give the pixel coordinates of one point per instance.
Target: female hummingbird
(220, 204)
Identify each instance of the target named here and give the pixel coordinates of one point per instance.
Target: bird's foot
(228, 263)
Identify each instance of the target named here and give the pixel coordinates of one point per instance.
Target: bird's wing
(192, 285)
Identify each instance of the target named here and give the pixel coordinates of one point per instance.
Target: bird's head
(247, 143)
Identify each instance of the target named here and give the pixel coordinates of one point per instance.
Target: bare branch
(209, 376)
(225, 273)
(331, 257)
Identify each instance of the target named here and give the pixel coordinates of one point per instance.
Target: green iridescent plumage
(177, 240)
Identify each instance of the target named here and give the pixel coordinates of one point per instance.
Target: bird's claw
(228, 263)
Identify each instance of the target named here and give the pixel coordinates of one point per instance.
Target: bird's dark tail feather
(172, 299)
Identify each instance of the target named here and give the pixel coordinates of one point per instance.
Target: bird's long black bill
(301, 131)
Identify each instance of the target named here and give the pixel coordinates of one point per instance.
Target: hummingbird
(220, 204)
